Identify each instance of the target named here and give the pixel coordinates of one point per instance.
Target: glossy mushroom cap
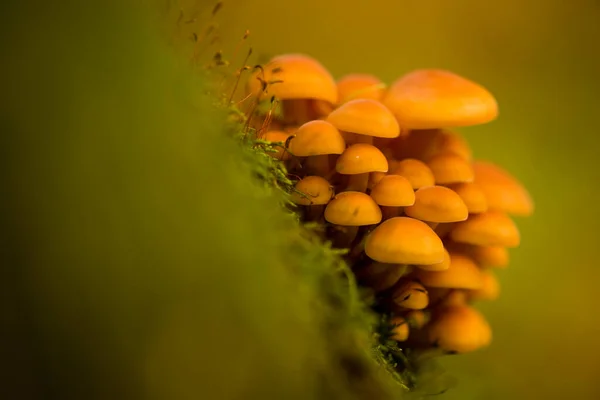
(491, 228)
(361, 158)
(299, 77)
(316, 190)
(352, 209)
(403, 240)
(359, 86)
(410, 295)
(437, 204)
(316, 138)
(462, 274)
(502, 190)
(393, 191)
(417, 172)
(441, 266)
(365, 117)
(472, 195)
(433, 98)
(459, 329)
(450, 168)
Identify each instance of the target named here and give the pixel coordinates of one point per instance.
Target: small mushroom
(472, 195)
(358, 161)
(359, 86)
(392, 193)
(463, 273)
(417, 172)
(316, 140)
(351, 210)
(425, 144)
(435, 204)
(314, 193)
(278, 137)
(410, 294)
(449, 168)
(459, 329)
(400, 329)
(491, 228)
(485, 256)
(489, 290)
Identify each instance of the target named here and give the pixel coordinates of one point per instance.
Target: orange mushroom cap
(318, 191)
(402, 240)
(433, 98)
(462, 274)
(485, 256)
(502, 190)
(393, 191)
(316, 138)
(450, 168)
(437, 204)
(411, 295)
(297, 76)
(441, 266)
(424, 144)
(472, 195)
(365, 117)
(489, 290)
(361, 158)
(417, 172)
(459, 329)
(359, 86)
(492, 228)
(352, 209)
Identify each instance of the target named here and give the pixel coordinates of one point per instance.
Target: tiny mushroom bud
(491, 228)
(459, 329)
(433, 98)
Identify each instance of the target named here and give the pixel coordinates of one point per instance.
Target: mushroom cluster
(424, 223)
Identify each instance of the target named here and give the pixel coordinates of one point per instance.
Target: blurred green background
(540, 58)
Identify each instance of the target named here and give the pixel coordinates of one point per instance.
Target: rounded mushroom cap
(489, 290)
(365, 117)
(277, 137)
(417, 172)
(411, 295)
(502, 190)
(361, 158)
(437, 204)
(402, 240)
(491, 228)
(441, 266)
(352, 209)
(459, 329)
(424, 144)
(462, 274)
(472, 195)
(450, 168)
(433, 98)
(484, 256)
(401, 329)
(393, 191)
(297, 76)
(318, 191)
(359, 86)
(317, 138)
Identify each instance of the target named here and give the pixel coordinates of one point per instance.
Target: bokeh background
(540, 58)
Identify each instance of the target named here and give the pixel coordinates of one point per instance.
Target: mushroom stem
(444, 229)
(358, 183)
(314, 213)
(388, 212)
(317, 165)
(432, 225)
(296, 112)
(344, 236)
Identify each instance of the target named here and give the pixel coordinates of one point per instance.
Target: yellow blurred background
(540, 59)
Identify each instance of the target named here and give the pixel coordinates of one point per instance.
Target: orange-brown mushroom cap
(417, 172)
(353, 209)
(365, 117)
(361, 158)
(459, 329)
(433, 98)
(502, 190)
(402, 240)
(316, 190)
(393, 191)
(316, 138)
(484, 256)
(492, 228)
(359, 86)
(294, 76)
(472, 195)
(437, 204)
(462, 274)
(450, 168)
(489, 290)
